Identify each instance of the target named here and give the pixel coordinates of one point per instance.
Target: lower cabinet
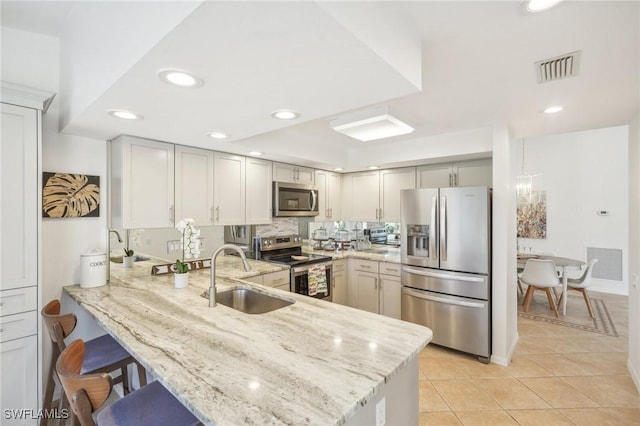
(279, 280)
(19, 384)
(339, 282)
(375, 287)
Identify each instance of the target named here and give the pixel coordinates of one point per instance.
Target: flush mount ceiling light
(285, 114)
(124, 115)
(255, 153)
(338, 169)
(540, 5)
(553, 109)
(218, 135)
(370, 125)
(373, 167)
(180, 78)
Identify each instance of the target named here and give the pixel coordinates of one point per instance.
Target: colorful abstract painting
(70, 195)
(532, 216)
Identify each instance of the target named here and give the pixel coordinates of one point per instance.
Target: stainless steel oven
(293, 199)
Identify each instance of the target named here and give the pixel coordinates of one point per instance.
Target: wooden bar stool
(149, 405)
(103, 354)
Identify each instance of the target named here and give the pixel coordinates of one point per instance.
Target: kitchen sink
(136, 258)
(249, 301)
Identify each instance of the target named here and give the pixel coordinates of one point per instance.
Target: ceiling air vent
(558, 68)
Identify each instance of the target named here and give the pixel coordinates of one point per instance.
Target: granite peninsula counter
(312, 362)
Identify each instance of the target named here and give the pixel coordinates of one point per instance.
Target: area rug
(577, 315)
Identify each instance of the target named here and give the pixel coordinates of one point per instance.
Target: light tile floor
(558, 376)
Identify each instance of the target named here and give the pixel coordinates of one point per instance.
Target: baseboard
(622, 292)
(507, 360)
(635, 375)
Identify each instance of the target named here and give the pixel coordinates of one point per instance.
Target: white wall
(634, 250)
(583, 172)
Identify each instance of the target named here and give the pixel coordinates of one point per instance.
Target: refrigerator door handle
(422, 295)
(427, 273)
(443, 228)
(432, 227)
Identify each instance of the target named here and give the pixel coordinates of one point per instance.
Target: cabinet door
(194, 185)
(19, 384)
(142, 183)
(259, 190)
(339, 277)
(365, 188)
(346, 206)
(322, 183)
(391, 183)
(304, 175)
(473, 173)
(229, 189)
(390, 296)
(19, 198)
(435, 176)
(367, 291)
(284, 173)
(334, 195)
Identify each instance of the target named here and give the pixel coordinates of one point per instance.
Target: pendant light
(528, 185)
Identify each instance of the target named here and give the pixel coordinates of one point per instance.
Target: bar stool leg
(142, 374)
(125, 380)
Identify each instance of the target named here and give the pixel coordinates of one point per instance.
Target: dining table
(562, 263)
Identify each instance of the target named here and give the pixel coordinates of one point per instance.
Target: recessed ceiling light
(125, 115)
(540, 5)
(180, 78)
(255, 153)
(338, 169)
(218, 135)
(553, 109)
(373, 167)
(285, 114)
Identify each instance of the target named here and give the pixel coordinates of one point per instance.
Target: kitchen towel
(317, 280)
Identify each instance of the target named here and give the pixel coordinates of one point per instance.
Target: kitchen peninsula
(311, 362)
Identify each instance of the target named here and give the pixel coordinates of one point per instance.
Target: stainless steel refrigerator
(446, 265)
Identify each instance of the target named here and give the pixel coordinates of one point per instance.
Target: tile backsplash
(279, 226)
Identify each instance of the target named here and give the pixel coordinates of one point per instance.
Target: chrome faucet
(212, 285)
(117, 234)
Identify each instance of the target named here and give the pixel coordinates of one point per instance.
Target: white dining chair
(540, 275)
(581, 283)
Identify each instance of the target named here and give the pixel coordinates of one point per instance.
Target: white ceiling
(324, 59)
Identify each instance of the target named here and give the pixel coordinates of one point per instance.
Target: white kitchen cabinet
(339, 282)
(375, 287)
(464, 173)
(228, 189)
(258, 191)
(20, 223)
(277, 279)
(194, 185)
(390, 289)
(393, 181)
(374, 196)
(293, 174)
(142, 183)
(329, 186)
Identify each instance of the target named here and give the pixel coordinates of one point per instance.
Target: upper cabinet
(142, 183)
(229, 189)
(194, 185)
(258, 191)
(374, 196)
(329, 186)
(464, 173)
(292, 174)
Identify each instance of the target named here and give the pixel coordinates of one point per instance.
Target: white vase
(181, 280)
(127, 261)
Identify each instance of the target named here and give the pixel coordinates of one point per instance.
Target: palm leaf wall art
(70, 195)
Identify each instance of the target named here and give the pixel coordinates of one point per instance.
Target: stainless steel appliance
(293, 199)
(446, 265)
(239, 234)
(310, 273)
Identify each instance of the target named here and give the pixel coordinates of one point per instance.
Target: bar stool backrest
(59, 326)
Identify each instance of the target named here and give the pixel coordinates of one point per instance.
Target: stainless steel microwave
(294, 199)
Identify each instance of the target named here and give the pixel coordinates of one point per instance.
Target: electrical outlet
(201, 243)
(380, 413)
(173, 246)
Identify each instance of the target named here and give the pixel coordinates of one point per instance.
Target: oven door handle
(422, 295)
(305, 268)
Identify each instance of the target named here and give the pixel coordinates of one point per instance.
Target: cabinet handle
(455, 179)
(450, 183)
(375, 283)
(331, 212)
(171, 214)
(212, 218)
(377, 213)
(380, 214)
(217, 213)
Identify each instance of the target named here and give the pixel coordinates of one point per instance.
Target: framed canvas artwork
(68, 195)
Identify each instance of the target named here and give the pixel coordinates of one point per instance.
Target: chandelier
(528, 185)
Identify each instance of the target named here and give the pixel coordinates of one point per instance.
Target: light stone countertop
(378, 253)
(313, 362)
